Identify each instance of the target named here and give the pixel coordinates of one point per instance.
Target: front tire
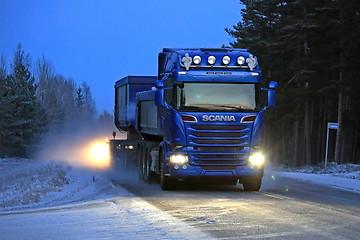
(251, 183)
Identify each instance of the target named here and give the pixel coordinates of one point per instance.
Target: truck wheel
(140, 161)
(251, 183)
(147, 175)
(166, 183)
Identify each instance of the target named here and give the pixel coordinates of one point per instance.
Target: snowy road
(285, 208)
(92, 207)
(124, 217)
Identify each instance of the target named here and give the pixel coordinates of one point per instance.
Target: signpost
(334, 126)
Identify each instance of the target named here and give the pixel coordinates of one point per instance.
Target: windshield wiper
(193, 108)
(231, 107)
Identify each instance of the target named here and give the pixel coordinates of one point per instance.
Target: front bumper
(185, 171)
(222, 169)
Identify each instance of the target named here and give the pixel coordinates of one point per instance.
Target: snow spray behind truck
(199, 119)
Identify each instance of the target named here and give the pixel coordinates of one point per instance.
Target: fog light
(257, 159)
(179, 159)
(184, 167)
(176, 167)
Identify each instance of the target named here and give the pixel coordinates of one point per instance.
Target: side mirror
(159, 84)
(271, 98)
(273, 85)
(159, 94)
(271, 94)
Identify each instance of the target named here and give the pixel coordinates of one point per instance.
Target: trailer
(200, 119)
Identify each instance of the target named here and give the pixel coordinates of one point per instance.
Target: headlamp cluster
(226, 60)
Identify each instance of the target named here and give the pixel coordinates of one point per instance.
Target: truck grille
(218, 145)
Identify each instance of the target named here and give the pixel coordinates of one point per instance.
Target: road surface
(284, 208)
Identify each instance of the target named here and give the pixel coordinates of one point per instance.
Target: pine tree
(24, 117)
(4, 108)
(312, 49)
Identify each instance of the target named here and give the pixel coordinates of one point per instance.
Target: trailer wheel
(251, 183)
(166, 183)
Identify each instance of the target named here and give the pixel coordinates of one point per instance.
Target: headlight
(179, 159)
(211, 60)
(257, 159)
(197, 60)
(240, 60)
(226, 60)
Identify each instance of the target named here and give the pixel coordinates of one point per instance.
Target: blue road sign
(333, 125)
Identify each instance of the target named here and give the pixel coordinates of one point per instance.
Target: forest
(38, 105)
(312, 49)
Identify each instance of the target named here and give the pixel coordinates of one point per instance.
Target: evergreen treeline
(312, 49)
(33, 102)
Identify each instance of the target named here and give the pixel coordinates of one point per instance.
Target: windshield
(228, 97)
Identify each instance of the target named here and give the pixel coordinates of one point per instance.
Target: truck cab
(203, 118)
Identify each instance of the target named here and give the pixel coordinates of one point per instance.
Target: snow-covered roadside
(27, 183)
(344, 176)
(82, 196)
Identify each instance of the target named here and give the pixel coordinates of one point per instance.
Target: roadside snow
(48, 200)
(25, 182)
(344, 176)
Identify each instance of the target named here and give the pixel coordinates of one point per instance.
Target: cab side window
(169, 91)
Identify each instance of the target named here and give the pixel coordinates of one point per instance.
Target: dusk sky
(102, 41)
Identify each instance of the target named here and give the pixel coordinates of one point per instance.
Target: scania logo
(219, 118)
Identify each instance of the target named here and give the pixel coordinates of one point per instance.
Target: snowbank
(104, 211)
(351, 171)
(24, 181)
(27, 183)
(344, 176)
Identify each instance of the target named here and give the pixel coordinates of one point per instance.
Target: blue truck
(200, 119)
